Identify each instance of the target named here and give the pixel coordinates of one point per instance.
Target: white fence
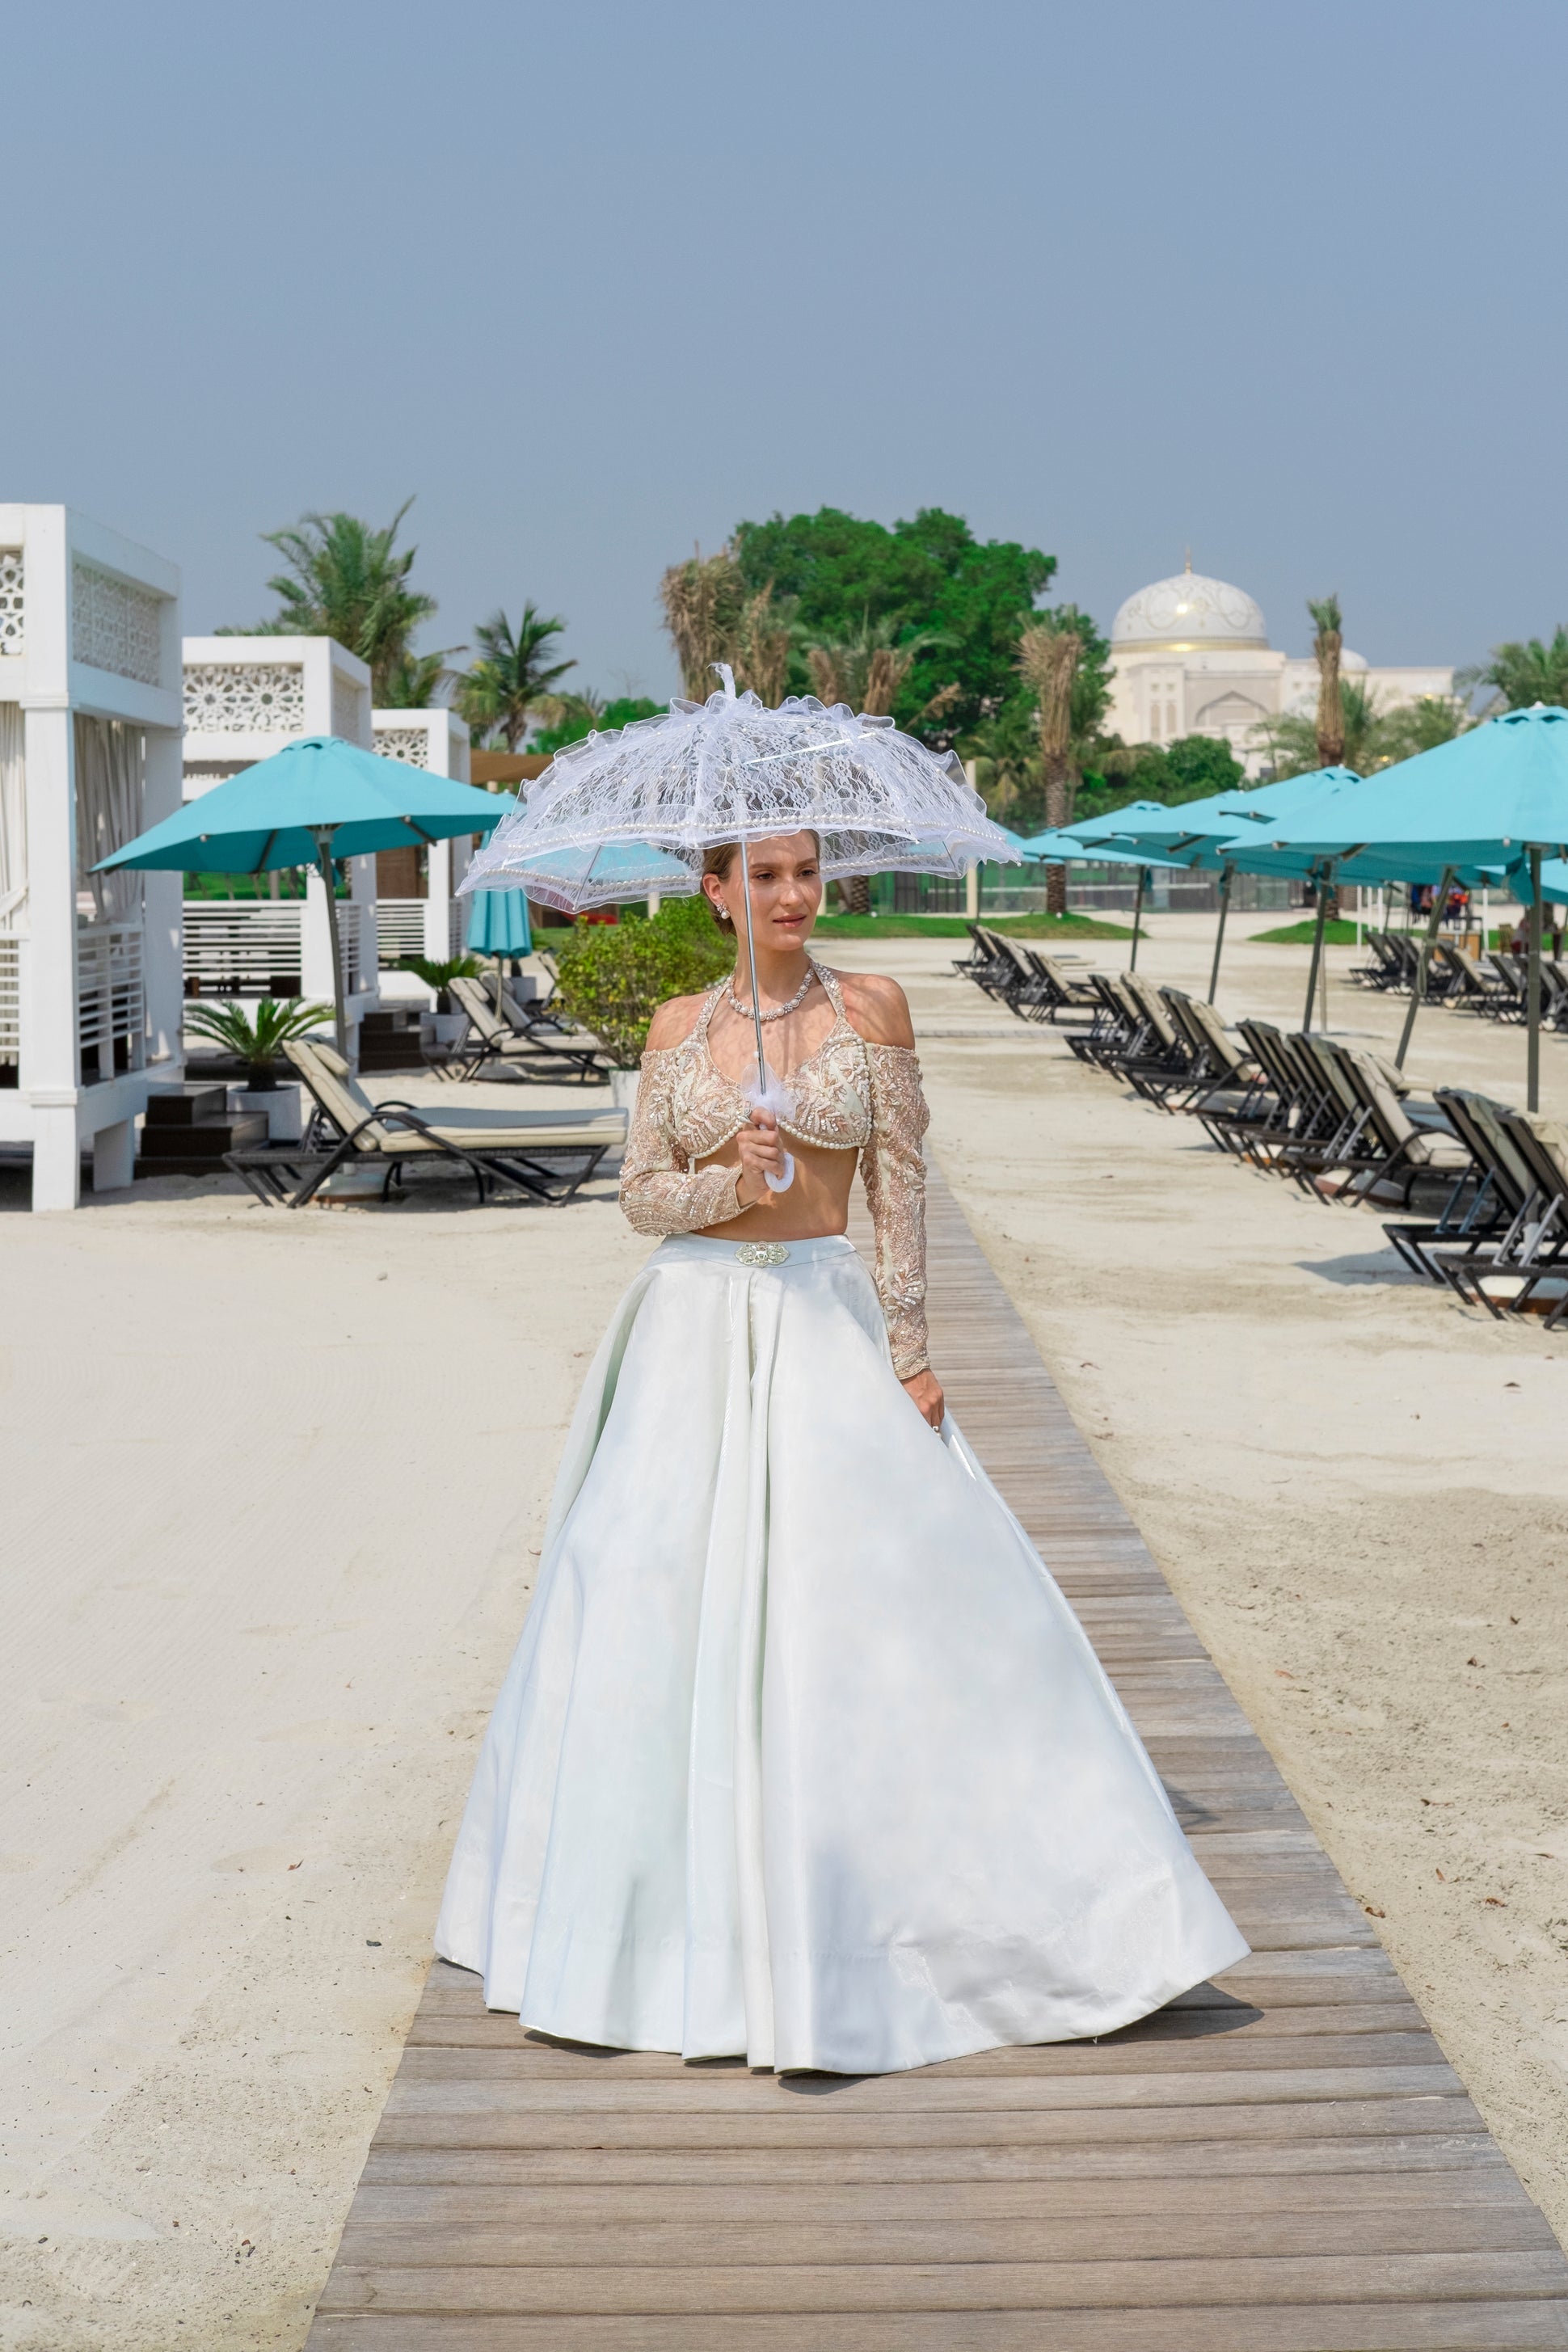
(243, 946)
(400, 928)
(254, 947)
(110, 1000)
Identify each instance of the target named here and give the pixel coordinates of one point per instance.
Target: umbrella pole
(1323, 883)
(1439, 900)
(324, 836)
(752, 963)
(1533, 1062)
(1219, 935)
(1137, 916)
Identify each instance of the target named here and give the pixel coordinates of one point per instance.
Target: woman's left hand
(924, 1392)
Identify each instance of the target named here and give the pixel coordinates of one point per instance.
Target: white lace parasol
(632, 810)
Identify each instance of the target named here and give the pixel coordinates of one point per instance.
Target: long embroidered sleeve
(660, 1191)
(893, 1174)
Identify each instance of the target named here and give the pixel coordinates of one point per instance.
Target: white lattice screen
(13, 600)
(245, 698)
(409, 744)
(115, 625)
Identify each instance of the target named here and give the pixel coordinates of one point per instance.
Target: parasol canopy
(661, 792)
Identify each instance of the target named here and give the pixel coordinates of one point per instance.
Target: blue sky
(595, 281)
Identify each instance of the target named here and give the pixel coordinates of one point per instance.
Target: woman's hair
(718, 861)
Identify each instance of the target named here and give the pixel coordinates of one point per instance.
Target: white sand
(271, 1486)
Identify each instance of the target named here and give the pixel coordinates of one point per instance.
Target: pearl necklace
(775, 1012)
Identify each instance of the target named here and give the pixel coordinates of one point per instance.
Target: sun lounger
(1486, 1204)
(543, 1154)
(1535, 1248)
(494, 1044)
(1470, 986)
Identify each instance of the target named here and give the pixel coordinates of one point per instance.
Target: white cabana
(89, 756)
(245, 698)
(427, 917)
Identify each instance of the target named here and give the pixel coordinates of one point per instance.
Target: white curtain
(110, 760)
(12, 820)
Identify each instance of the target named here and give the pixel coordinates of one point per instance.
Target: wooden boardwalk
(1281, 2164)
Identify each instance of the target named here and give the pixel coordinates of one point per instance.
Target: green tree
(1187, 770)
(417, 681)
(869, 669)
(345, 579)
(930, 577)
(1422, 726)
(1292, 743)
(1520, 674)
(581, 715)
(500, 694)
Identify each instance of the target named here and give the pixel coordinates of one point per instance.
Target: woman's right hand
(762, 1155)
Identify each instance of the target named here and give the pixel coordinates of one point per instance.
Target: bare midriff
(817, 1202)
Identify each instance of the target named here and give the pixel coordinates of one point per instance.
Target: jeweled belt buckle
(763, 1254)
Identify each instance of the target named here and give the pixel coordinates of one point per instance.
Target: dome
(1189, 614)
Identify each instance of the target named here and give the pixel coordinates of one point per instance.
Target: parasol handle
(775, 1183)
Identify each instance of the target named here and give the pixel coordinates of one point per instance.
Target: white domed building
(1191, 657)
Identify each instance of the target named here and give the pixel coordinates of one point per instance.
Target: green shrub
(614, 976)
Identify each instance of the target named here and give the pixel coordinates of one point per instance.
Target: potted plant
(447, 1026)
(257, 1039)
(612, 978)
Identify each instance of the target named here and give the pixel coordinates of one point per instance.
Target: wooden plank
(512, 2125)
(1373, 2159)
(952, 2287)
(1388, 2327)
(423, 2238)
(1280, 2162)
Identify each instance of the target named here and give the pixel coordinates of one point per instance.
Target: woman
(802, 1756)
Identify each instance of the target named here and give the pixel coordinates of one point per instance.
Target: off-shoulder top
(848, 1096)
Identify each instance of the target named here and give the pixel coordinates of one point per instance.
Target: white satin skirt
(802, 1756)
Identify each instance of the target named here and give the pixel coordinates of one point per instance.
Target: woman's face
(786, 891)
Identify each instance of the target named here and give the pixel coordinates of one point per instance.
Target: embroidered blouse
(848, 1096)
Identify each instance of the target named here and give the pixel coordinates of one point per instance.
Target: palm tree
(345, 579)
(704, 601)
(765, 641)
(1522, 674)
(1292, 743)
(1049, 651)
(418, 681)
(1420, 727)
(1328, 646)
(869, 670)
(511, 679)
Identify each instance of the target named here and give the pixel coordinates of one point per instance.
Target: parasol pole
(1137, 916)
(752, 965)
(1532, 1000)
(1219, 935)
(1320, 876)
(323, 836)
(1418, 986)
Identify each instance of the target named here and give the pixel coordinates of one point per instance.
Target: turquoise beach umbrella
(316, 800)
(498, 924)
(1495, 797)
